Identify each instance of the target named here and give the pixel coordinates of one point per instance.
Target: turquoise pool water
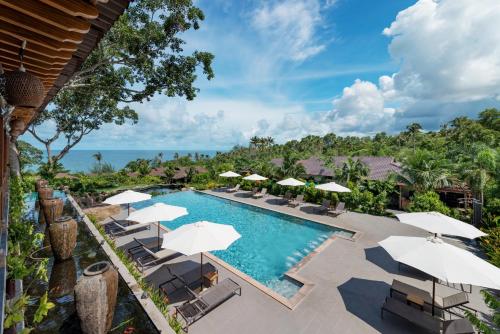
(270, 244)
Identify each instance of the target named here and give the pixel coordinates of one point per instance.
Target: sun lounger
(400, 289)
(206, 301)
(262, 193)
(424, 319)
(153, 254)
(325, 206)
(297, 201)
(235, 189)
(287, 197)
(338, 210)
(116, 228)
(185, 281)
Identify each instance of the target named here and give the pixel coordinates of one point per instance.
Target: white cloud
(449, 50)
(290, 26)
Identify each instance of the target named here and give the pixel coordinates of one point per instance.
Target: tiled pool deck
(349, 281)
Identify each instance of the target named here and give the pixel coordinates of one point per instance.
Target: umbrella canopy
(255, 177)
(442, 260)
(436, 222)
(230, 174)
(126, 197)
(291, 182)
(332, 186)
(157, 212)
(200, 237)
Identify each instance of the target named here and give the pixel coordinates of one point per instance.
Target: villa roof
(182, 172)
(159, 171)
(379, 167)
(313, 166)
(65, 176)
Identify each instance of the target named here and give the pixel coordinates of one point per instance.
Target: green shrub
(427, 201)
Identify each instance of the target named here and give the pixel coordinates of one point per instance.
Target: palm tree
(425, 171)
(169, 172)
(176, 155)
(98, 157)
(160, 157)
(254, 142)
(290, 167)
(413, 130)
(353, 170)
(477, 172)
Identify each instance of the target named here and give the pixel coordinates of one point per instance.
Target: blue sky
(288, 68)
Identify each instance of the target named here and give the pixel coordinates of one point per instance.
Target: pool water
(270, 244)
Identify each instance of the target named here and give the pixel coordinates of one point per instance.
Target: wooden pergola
(59, 36)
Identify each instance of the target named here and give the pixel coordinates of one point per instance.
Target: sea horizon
(82, 160)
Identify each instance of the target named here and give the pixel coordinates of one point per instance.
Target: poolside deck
(351, 280)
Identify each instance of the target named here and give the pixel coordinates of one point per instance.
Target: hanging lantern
(23, 89)
(16, 127)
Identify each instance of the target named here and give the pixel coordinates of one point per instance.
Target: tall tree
(412, 131)
(353, 170)
(28, 155)
(425, 171)
(478, 170)
(98, 157)
(142, 55)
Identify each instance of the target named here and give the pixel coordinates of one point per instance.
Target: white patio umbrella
(255, 177)
(230, 174)
(156, 213)
(436, 222)
(291, 182)
(200, 237)
(127, 197)
(442, 261)
(334, 187)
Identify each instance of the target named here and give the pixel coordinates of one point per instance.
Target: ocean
(83, 160)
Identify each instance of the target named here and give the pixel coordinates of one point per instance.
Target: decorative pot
(63, 237)
(23, 89)
(62, 278)
(52, 209)
(45, 193)
(41, 183)
(95, 295)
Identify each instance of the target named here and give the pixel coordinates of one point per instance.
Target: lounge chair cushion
(413, 315)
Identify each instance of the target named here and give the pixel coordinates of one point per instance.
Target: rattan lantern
(23, 89)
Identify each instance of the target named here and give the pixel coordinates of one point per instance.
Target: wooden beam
(38, 27)
(30, 62)
(13, 51)
(33, 70)
(74, 8)
(24, 34)
(16, 42)
(48, 14)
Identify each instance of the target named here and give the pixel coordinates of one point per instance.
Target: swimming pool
(270, 244)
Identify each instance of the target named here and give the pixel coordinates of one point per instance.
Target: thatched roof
(313, 166)
(379, 167)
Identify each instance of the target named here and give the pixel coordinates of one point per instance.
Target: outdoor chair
(424, 319)
(297, 201)
(287, 197)
(116, 228)
(152, 256)
(185, 281)
(262, 193)
(235, 189)
(338, 210)
(400, 289)
(325, 206)
(206, 301)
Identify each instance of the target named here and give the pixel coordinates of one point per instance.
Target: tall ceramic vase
(52, 209)
(45, 193)
(63, 237)
(95, 295)
(41, 183)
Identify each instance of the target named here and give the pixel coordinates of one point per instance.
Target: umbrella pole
(128, 208)
(201, 271)
(158, 234)
(433, 293)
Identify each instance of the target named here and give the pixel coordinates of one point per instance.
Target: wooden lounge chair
(338, 210)
(262, 193)
(235, 189)
(325, 206)
(153, 254)
(206, 301)
(116, 228)
(424, 319)
(297, 201)
(400, 289)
